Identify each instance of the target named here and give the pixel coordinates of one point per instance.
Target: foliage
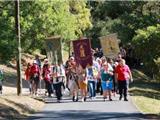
(131, 20)
(149, 40)
(7, 37)
(41, 19)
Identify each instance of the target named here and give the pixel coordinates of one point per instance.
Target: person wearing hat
(38, 61)
(35, 76)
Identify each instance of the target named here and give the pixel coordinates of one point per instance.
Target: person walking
(47, 77)
(28, 77)
(91, 74)
(123, 75)
(1, 80)
(35, 77)
(82, 81)
(107, 83)
(58, 78)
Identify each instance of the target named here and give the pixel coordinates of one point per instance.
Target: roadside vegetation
(146, 94)
(13, 107)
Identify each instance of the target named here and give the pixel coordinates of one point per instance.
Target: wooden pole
(17, 26)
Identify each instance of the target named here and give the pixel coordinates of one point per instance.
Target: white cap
(46, 60)
(35, 62)
(71, 58)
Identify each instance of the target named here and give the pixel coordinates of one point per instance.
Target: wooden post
(17, 26)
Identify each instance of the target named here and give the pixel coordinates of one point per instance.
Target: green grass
(145, 93)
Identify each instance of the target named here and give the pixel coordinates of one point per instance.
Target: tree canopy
(41, 19)
(135, 22)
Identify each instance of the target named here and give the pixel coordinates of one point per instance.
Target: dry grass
(13, 106)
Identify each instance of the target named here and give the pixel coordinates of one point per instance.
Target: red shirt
(27, 73)
(35, 70)
(123, 72)
(47, 73)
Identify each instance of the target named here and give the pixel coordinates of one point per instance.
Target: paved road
(90, 110)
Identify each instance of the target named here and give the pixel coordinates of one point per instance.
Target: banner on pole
(110, 45)
(82, 52)
(54, 49)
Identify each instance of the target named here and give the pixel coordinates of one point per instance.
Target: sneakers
(75, 99)
(120, 97)
(125, 99)
(110, 99)
(84, 99)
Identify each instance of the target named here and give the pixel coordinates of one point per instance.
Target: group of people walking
(106, 76)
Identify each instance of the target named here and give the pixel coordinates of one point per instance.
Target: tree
(148, 40)
(40, 19)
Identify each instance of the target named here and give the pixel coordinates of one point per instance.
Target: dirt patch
(14, 107)
(11, 105)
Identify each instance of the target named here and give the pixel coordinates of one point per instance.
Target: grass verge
(146, 94)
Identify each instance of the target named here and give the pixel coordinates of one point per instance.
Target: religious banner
(54, 49)
(110, 45)
(82, 52)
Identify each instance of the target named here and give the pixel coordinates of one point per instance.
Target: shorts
(82, 84)
(107, 85)
(35, 79)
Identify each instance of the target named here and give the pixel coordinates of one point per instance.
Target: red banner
(82, 52)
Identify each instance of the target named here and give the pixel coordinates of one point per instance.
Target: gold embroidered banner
(82, 52)
(110, 45)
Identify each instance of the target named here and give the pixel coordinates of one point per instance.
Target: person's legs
(90, 86)
(120, 87)
(104, 87)
(94, 88)
(0, 87)
(49, 89)
(36, 81)
(125, 90)
(98, 85)
(59, 90)
(85, 93)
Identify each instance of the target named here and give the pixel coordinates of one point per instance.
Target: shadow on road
(86, 115)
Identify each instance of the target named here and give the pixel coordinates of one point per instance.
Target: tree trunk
(17, 26)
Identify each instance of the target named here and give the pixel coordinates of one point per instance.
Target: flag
(82, 52)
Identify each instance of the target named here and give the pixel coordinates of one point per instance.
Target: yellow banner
(110, 45)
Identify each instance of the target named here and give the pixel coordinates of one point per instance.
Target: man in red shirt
(122, 75)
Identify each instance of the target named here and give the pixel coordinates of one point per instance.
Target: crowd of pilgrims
(105, 76)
